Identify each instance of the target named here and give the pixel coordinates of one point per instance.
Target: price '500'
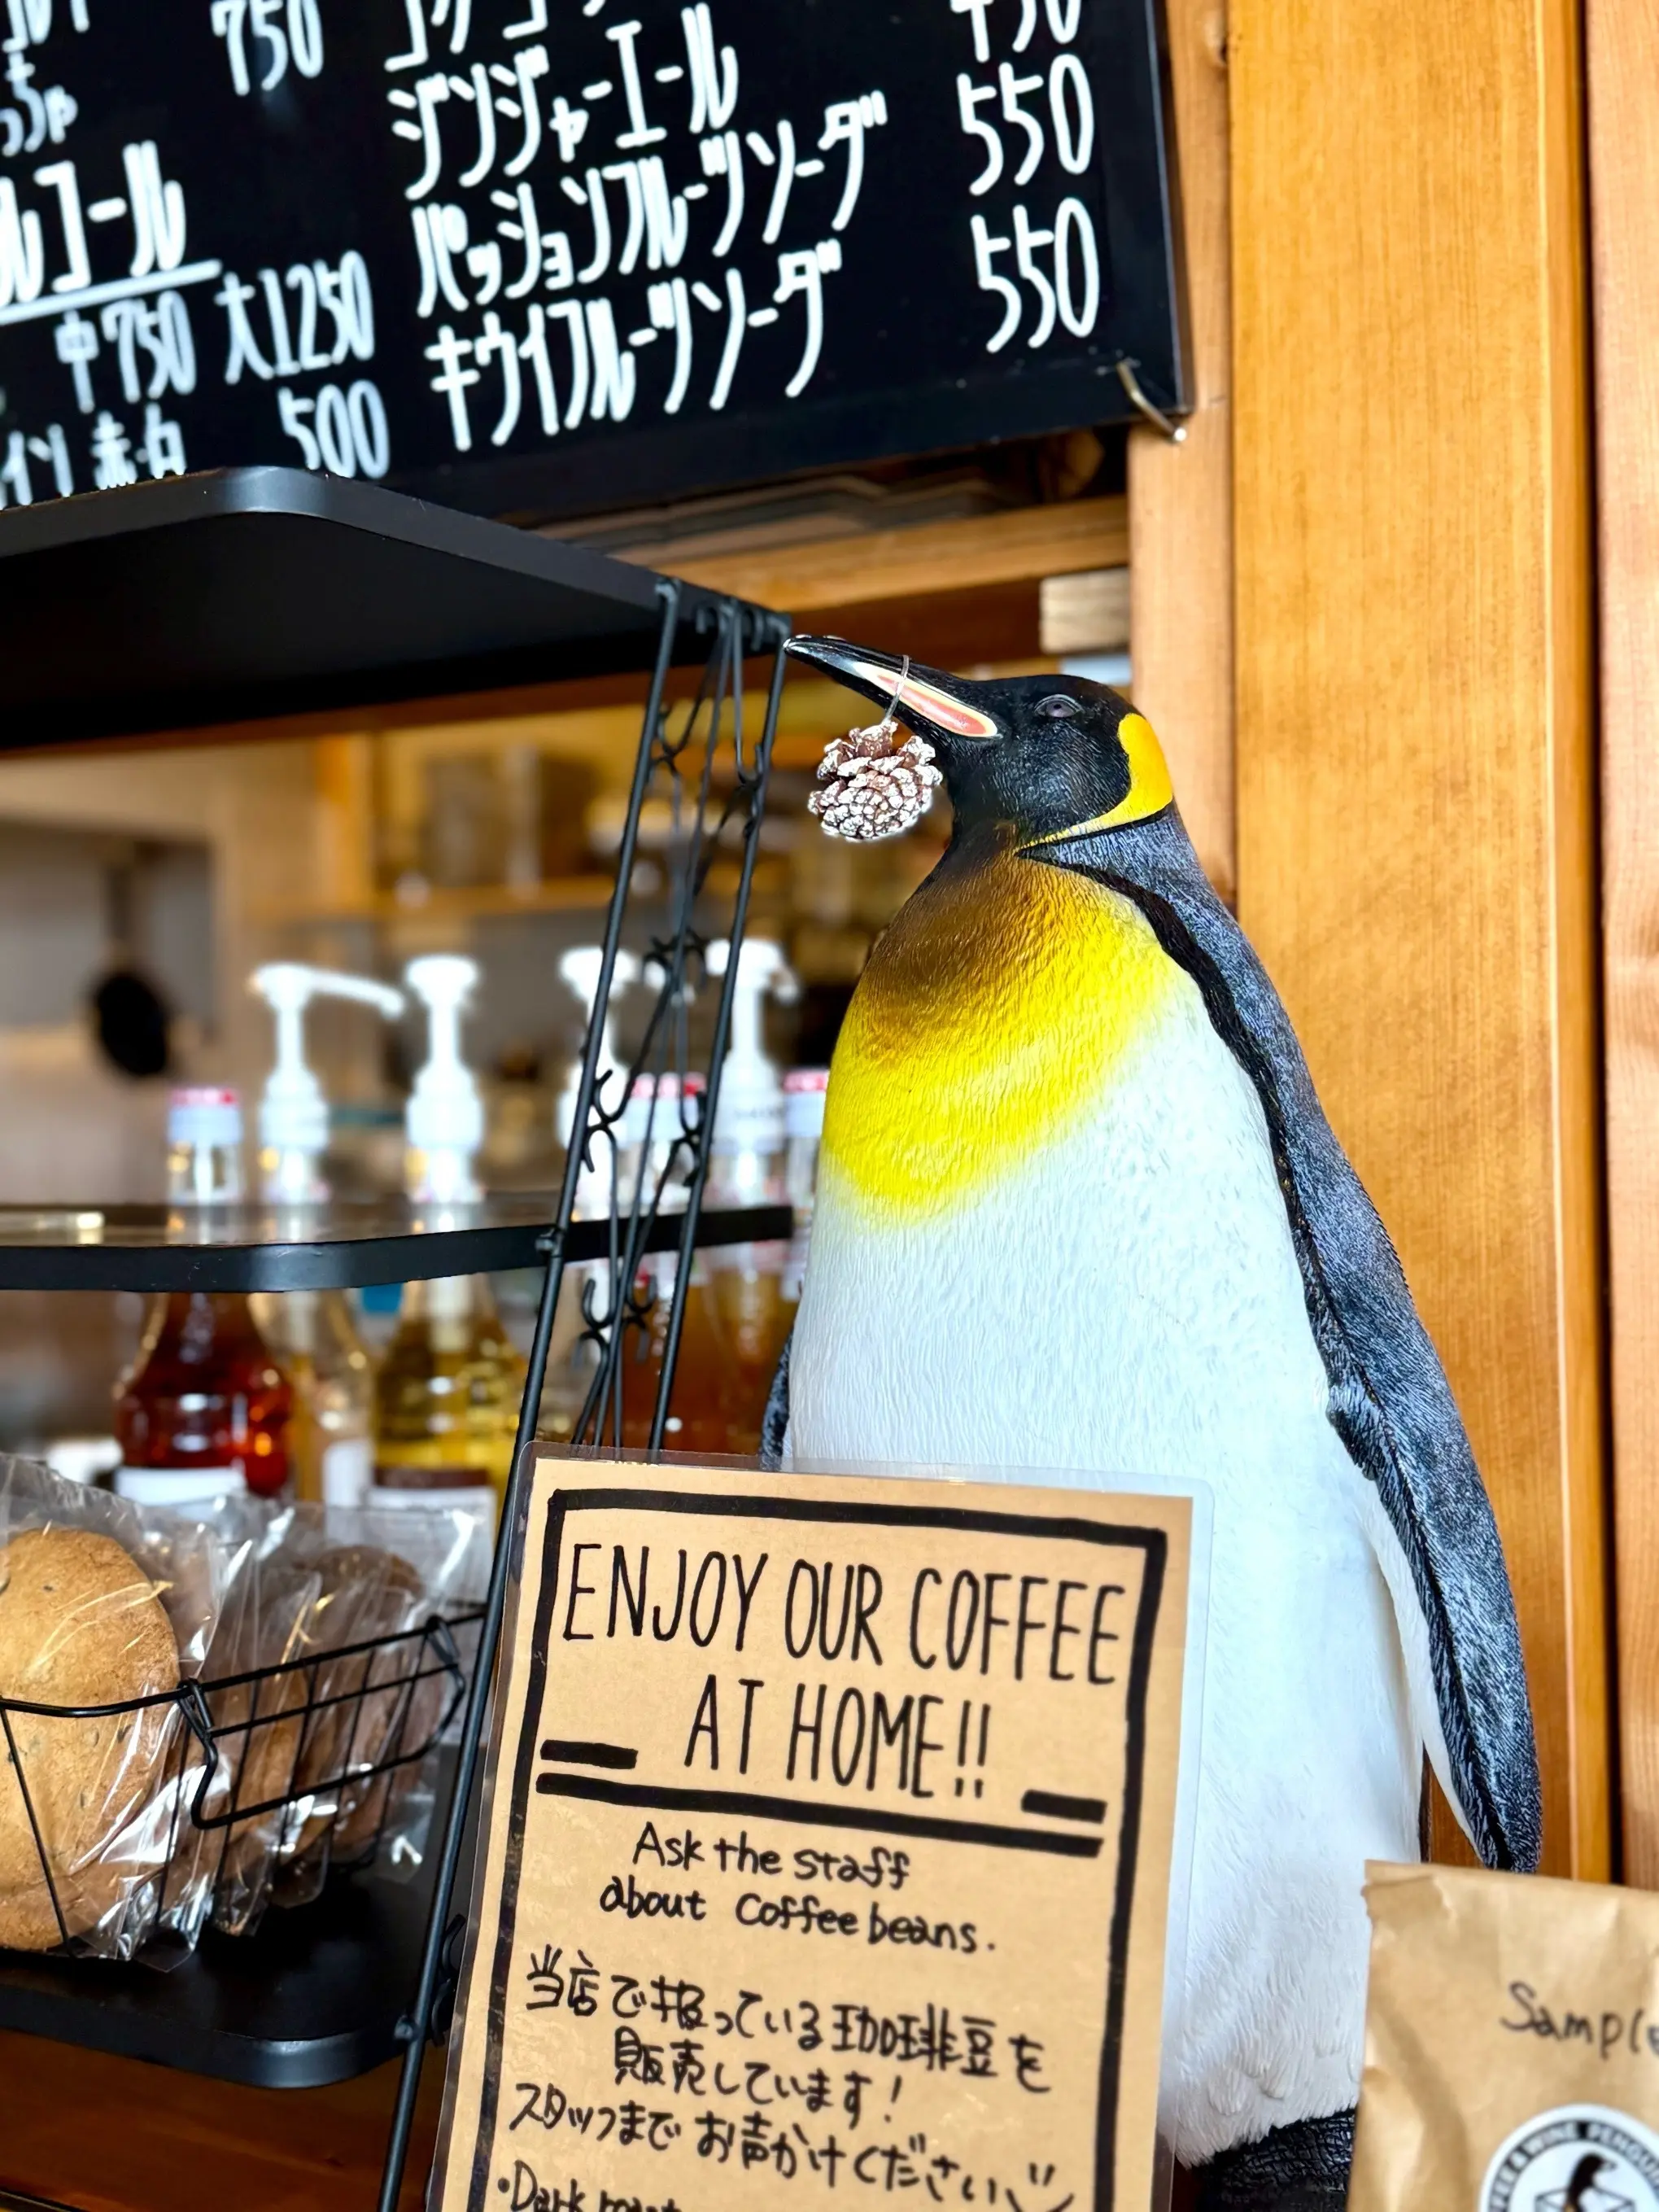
(344, 432)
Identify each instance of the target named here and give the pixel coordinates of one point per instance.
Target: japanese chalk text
(410, 236)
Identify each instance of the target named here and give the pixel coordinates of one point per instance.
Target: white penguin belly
(1126, 1300)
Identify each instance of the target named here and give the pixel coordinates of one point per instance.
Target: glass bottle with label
(205, 1410)
(315, 1339)
(447, 1399)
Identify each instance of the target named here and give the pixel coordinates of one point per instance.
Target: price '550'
(1067, 289)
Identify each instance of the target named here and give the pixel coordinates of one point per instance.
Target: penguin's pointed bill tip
(928, 701)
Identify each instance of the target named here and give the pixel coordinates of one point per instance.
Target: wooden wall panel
(1623, 55)
(1415, 720)
(1181, 570)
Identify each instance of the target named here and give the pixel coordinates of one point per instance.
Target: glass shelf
(337, 1247)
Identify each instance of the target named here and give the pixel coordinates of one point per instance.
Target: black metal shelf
(340, 1247)
(250, 593)
(313, 1995)
(244, 593)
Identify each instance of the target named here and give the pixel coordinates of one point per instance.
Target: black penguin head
(1050, 756)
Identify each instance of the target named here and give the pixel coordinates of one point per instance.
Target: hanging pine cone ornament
(878, 787)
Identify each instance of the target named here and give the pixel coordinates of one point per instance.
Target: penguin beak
(942, 709)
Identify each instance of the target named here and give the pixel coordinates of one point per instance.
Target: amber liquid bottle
(313, 1336)
(698, 1417)
(205, 1410)
(447, 1399)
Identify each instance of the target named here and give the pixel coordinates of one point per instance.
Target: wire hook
(889, 719)
(1175, 432)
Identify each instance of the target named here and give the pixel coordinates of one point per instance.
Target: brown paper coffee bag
(1511, 2045)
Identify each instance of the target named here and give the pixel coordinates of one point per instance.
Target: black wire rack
(648, 1132)
(713, 771)
(436, 603)
(304, 1758)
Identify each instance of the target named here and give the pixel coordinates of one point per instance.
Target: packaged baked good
(259, 1695)
(325, 1686)
(395, 1577)
(103, 1613)
(443, 1558)
(207, 1713)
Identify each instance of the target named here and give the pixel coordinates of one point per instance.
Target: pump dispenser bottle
(579, 971)
(292, 1111)
(312, 1331)
(446, 1397)
(444, 1122)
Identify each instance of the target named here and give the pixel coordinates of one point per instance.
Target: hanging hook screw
(1175, 432)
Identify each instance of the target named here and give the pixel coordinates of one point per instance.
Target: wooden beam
(1025, 542)
(1181, 573)
(1622, 50)
(1415, 723)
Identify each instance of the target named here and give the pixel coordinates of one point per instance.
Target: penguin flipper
(774, 1422)
(1388, 1399)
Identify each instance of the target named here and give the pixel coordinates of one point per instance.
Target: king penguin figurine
(1079, 1209)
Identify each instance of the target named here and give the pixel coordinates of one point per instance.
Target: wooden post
(1622, 50)
(1180, 567)
(1415, 724)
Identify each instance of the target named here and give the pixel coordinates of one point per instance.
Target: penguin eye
(1058, 708)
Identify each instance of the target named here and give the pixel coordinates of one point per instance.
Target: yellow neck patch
(1004, 999)
(1150, 788)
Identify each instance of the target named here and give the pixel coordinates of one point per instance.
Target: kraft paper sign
(828, 1850)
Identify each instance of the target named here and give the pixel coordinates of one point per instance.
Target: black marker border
(1152, 1542)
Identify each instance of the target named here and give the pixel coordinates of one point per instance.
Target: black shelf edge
(312, 1996)
(385, 1244)
(242, 594)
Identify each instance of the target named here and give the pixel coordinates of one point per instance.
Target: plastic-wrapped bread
(389, 1721)
(81, 1623)
(104, 1604)
(260, 1727)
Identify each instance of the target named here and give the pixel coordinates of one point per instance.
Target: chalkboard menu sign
(549, 256)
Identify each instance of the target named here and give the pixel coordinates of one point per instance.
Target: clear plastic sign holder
(1199, 1499)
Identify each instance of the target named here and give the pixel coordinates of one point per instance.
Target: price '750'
(290, 31)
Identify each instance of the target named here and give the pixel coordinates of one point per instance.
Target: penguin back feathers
(1389, 1401)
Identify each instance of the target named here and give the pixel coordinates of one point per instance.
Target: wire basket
(242, 1788)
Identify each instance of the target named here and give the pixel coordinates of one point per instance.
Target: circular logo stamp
(1578, 2158)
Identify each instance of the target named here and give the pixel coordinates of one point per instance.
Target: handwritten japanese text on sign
(828, 1850)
